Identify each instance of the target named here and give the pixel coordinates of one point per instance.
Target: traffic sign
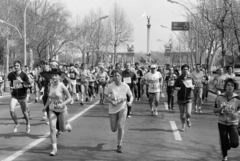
(180, 26)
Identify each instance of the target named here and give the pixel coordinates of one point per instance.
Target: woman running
(227, 105)
(57, 107)
(116, 94)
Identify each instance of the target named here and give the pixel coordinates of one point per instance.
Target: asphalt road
(147, 138)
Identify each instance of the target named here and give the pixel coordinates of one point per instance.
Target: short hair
(229, 66)
(56, 71)
(116, 71)
(198, 64)
(136, 63)
(18, 62)
(233, 81)
(185, 65)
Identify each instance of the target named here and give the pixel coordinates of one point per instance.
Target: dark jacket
(130, 74)
(184, 94)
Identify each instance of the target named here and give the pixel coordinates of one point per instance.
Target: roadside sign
(180, 26)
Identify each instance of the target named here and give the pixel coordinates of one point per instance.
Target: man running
(102, 78)
(138, 89)
(170, 79)
(154, 80)
(129, 78)
(219, 81)
(198, 76)
(73, 72)
(19, 84)
(184, 85)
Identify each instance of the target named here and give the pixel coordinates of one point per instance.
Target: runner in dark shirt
(19, 84)
(130, 79)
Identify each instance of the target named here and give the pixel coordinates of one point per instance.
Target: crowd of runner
(57, 85)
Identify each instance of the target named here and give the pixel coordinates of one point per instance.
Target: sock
(119, 143)
(54, 145)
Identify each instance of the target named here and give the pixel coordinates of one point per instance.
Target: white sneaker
(15, 128)
(72, 101)
(44, 118)
(156, 112)
(47, 122)
(28, 129)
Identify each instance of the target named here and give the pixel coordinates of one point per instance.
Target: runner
(44, 80)
(219, 82)
(227, 105)
(57, 100)
(154, 82)
(84, 76)
(116, 94)
(102, 78)
(198, 77)
(129, 78)
(19, 84)
(73, 72)
(170, 79)
(1, 83)
(184, 85)
(230, 73)
(205, 85)
(138, 86)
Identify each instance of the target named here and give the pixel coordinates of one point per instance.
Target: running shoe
(196, 111)
(86, 99)
(15, 127)
(183, 128)
(58, 134)
(91, 99)
(129, 116)
(28, 129)
(224, 158)
(119, 149)
(81, 103)
(36, 100)
(189, 124)
(72, 101)
(152, 113)
(53, 153)
(44, 118)
(200, 111)
(69, 127)
(156, 112)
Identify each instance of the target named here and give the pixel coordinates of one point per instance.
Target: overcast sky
(161, 12)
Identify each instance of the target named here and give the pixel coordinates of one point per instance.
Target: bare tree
(120, 30)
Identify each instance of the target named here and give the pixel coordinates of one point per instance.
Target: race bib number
(220, 84)
(155, 85)
(17, 84)
(197, 83)
(188, 83)
(72, 75)
(127, 80)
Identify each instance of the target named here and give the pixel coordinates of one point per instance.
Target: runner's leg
(120, 125)
(12, 105)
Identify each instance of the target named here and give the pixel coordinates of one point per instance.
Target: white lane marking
(166, 105)
(36, 142)
(176, 133)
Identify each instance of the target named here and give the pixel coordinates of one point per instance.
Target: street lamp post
(180, 60)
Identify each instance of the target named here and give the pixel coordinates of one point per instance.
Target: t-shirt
(72, 74)
(233, 76)
(219, 81)
(129, 77)
(198, 78)
(153, 81)
(118, 93)
(170, 79)
(19, 90)
(102, 76)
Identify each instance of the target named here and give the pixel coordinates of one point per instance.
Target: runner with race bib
(154, 80)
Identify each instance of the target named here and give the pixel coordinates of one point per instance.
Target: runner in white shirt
(154, 80)
(198, 77)
(230, 73)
